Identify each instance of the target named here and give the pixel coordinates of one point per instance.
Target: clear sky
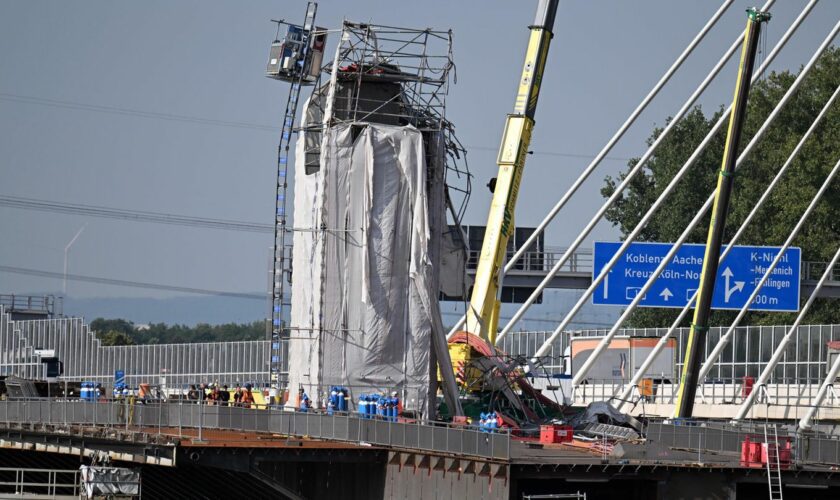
(206, 59)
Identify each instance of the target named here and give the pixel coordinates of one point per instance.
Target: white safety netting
(364, 287)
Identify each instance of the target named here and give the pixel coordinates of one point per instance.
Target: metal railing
(712, 392)
(39, 483)
(812, 271)
(713, 441)
(751, 348)
(720, 442)
(30, 303)
(543, 260)
(171, 419)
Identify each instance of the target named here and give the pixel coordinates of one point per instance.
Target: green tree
(114, 337)
(123, 332)
(107, 325)
(820, 236)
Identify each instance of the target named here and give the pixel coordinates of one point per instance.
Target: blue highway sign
(738, 275)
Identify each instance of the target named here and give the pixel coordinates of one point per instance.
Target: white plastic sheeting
(110, 481)
(364, 286)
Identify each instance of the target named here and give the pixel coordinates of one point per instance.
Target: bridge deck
(153, 432)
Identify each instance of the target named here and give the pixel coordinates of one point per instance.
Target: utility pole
(700, 325)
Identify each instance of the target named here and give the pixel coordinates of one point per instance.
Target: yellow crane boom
(483, 313)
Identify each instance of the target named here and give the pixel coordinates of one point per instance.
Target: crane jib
(482, 314)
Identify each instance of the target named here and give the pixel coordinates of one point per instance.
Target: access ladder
(282, 251)
(774, 469)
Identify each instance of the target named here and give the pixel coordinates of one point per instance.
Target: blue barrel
(342, 399)
(332, 402)
(373, 399)
(363, 405)
(492, 422)
(88, 392)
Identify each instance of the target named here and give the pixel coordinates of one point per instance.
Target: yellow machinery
(483, 313)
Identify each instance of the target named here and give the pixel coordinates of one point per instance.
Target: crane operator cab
(298, 57)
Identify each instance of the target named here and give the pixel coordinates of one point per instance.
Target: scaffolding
(393, 76)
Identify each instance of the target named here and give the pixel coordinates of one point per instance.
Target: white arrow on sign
(607, 284)
(739, 285)
(666, 294)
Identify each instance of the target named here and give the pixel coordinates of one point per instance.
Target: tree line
(123, 332)
(820, 236)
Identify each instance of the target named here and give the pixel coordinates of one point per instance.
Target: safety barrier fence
(720, 441)
(39, 483)
(29, 303)
(714, 441)
(174, 418)
(541, 260)
(750, 350)
(717, 392)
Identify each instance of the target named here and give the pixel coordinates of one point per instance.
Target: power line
(114, 110)
(131, 284)
(132, 215)
(54, 103)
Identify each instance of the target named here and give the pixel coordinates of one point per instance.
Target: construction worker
(131, 399)
(237, 395)
(305, 402)
(398, 401)
(119, 400)
(247, 397)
